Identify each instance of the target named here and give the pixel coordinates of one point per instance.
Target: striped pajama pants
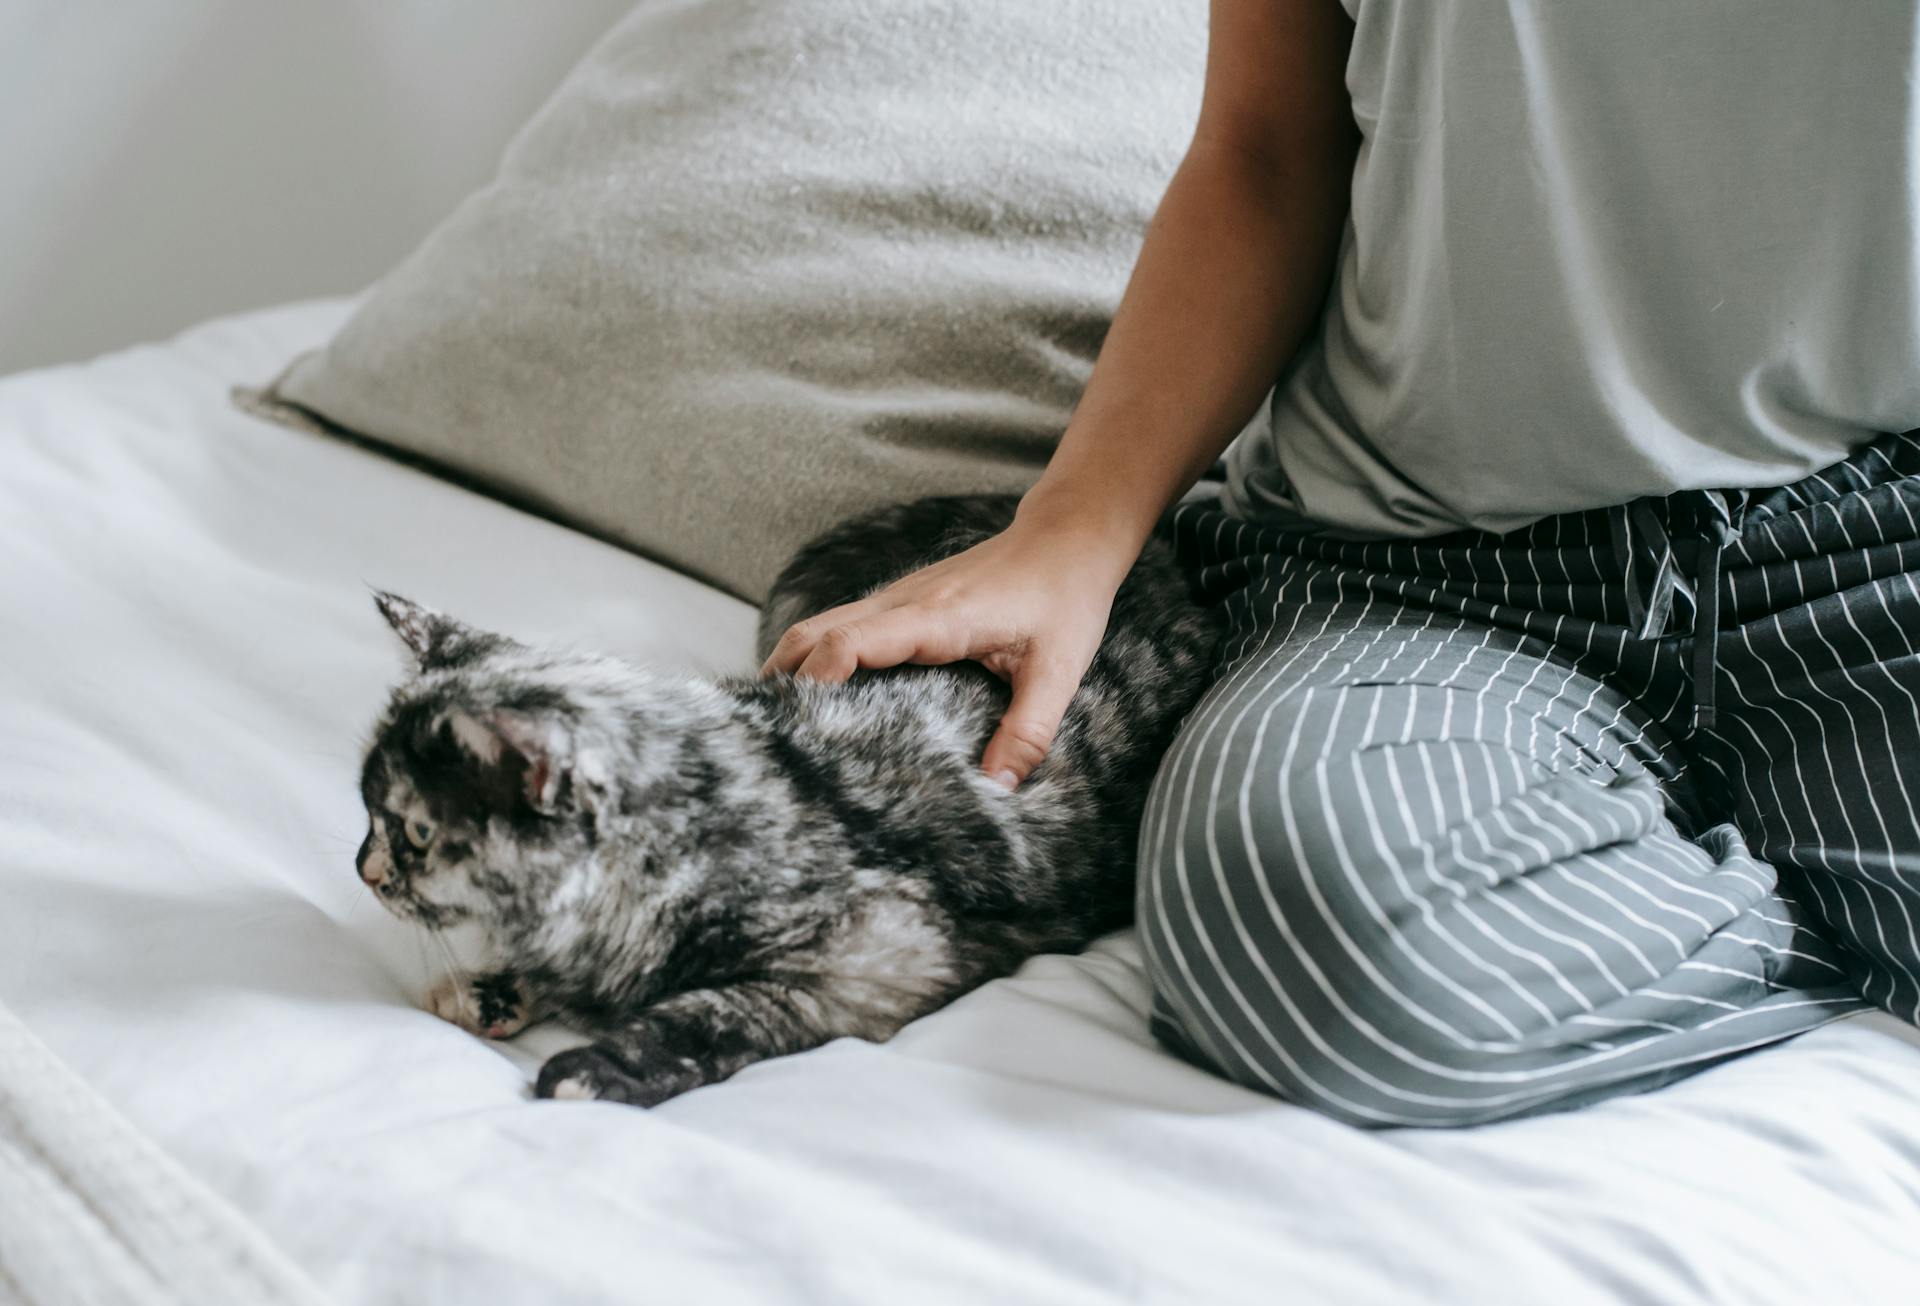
(1446, 842)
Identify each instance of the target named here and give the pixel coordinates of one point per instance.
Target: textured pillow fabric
(762, 263)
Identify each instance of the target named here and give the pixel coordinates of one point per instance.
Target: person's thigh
(1409, 868)
(1818, 737)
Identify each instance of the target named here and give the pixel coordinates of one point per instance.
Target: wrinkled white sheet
(92, 1212)
(188, 658)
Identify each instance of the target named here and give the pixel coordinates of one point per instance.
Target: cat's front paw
(492, 1006)
(596, 1072)
(452, 1000)
(506, 1007)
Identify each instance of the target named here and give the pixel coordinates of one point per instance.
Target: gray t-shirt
(1600, 249)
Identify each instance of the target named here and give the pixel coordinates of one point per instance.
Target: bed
(188, 660)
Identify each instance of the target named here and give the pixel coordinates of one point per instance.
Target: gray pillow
(759, 264)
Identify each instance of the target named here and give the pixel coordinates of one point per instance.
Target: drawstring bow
(1641, 539)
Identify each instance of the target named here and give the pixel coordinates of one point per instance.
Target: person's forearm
(1232, 275)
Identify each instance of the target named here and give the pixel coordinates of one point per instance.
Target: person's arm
(1232, 274)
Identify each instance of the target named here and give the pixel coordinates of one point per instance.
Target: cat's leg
(699, 1037)
(493, 1004)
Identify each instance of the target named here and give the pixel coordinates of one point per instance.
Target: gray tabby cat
(708, 874)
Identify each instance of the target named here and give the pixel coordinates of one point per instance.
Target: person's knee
(1320, 847)
(1292, 837)
(1284, 922)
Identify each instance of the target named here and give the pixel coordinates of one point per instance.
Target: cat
(708, 873)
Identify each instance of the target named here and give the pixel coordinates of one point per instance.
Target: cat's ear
(436, 639)
(534, 746)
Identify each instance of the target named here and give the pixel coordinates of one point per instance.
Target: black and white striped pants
(1444, 843)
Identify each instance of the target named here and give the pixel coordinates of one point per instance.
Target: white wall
(162, 161)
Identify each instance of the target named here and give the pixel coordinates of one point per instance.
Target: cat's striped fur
(705, 874)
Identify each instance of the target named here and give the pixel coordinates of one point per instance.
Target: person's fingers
(903, 634)
(1041, 693)
(797, 642)
(800, 638)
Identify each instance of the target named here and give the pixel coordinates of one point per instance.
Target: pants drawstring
(1640, 534)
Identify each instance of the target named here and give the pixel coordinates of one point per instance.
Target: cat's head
(486, 773)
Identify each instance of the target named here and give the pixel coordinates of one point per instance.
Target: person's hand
(1029, 604)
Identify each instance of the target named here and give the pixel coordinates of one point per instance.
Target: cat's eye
(419, 834)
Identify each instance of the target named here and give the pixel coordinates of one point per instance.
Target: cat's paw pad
(590, 1073)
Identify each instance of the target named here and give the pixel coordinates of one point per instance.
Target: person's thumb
(1041, 694)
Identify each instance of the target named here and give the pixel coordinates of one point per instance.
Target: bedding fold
(92, 1211)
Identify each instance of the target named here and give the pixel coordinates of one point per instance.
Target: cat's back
(894, 755)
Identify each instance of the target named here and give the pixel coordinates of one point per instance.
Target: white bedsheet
(188, 659)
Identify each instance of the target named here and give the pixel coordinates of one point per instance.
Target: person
(1566, 739)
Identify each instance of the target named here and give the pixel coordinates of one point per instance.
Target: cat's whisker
(454, 968)
(426, 962)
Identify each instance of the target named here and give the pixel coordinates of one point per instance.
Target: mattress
(188, 663)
